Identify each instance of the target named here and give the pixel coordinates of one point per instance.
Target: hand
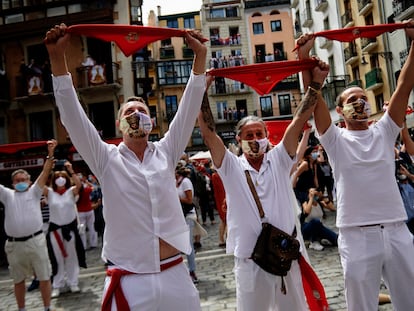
(57, 39)
(193, 39)
(410, 30)
(51, 146)
(305, 43)
(320, 72)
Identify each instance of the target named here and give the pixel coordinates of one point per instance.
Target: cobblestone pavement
(214, 270)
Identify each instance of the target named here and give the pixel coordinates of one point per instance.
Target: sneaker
(74, 289)
(194, 277)
(316, 246)
(55, 293)
(34, 285)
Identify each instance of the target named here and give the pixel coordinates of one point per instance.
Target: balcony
(321, 5)
(232, 40)
(229, 89)
(351, 55)
(167, 52)
(307, 18)
(356, 82)
(373, 79)
(289, 83)
(294, 4)
(364, 7)
(230, 61)
(367, 44)
(325, 43)
(187, 52)
(347, 20)
(98, 76)
(403, 9)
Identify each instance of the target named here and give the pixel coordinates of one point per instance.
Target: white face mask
(255, 148)
(359, 110)
(60, 181)
(136, 125)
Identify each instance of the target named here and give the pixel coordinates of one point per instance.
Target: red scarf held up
(264, 76)
(351, 33)
(129, 38)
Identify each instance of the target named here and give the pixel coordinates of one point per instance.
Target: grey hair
(20, 171)
(246, 120)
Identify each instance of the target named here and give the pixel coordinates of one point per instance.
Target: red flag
(264, 76)
(129, 38)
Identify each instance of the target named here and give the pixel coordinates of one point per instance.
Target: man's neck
(138, 146)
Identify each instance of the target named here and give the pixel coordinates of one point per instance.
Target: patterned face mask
(255, 148)
(136, 125)
(359, 110)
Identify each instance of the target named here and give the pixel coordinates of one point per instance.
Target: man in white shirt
(270, 171)
(26, 247)
(145, 230)
(374, 241)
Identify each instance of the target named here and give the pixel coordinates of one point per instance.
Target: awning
(201, 155)
(114, 141)
(17, 147)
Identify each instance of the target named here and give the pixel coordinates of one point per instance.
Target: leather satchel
(275, 249)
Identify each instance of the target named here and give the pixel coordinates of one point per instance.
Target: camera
(60, 165)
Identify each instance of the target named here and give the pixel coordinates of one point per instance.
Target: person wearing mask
(26, 247)
(67, 251)
(269, 168)
(145, 231)
(370, 222)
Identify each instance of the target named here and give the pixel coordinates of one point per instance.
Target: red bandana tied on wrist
(264, 76)
(129, 38)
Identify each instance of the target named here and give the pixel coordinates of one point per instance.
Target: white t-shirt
(274, 189)
(364, 171)
(23, 216)
(184, 186)
(61, 207)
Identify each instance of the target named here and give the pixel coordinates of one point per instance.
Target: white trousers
(367, 253)
(257, 289)
(68, 266)
(90, 235)
(171, 289)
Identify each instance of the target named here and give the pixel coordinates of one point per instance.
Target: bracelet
(50, 157)
(314, 90)
(198, 73)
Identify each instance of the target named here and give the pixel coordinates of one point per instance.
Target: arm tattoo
(307, 103)
(207, 114)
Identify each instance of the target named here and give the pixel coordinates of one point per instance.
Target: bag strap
(254, 192)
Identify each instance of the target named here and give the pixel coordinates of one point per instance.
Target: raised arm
(74, 176)
(321, 112)
(405, 84)
(208, 129)
(305, 109)
(47, 167)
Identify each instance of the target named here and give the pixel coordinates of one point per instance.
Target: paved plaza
(214, 270)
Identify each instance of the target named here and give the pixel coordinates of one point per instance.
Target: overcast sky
(169, 7)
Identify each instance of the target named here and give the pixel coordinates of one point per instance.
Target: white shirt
(364, 171)
(141, 203)
(23, 216)
(184, 186)
(274, 189)
(62, 207)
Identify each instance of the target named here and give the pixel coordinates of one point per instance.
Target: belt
(24, 238)
(115, 288)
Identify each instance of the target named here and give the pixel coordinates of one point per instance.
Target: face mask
(254, 148)
(402, 177)
(314, 155)
(359, 110)
(60, 181)
(21, 186)
(136, 125)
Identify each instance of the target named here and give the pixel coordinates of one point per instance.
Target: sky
(169, 7)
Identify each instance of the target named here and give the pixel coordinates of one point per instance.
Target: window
(285, 106)
(177, 72)
(102, 116)
(266, 106)
(189, 23)
(2, 130)
(258, 28)
(276, 25)
(196, 137)
(41, 125)
(171, 107)
(221, 111)
(172, 23)
(379, 100)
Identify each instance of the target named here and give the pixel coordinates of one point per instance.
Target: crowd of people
(157, 200)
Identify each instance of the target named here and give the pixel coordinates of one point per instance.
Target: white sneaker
(55, 293)
(74, 289)
(316, 246)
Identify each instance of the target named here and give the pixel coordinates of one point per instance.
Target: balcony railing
(228, 89)
(307, 17)
(187, 52)
(90, 76)
(167, 52)
(346, 19)
(403, 8)
(224, 62)
(356, 82)
(232, 40)
(373, 78)
(321, 5)
(364, 6)
(368, 44)
(350, 54)
(279, 56)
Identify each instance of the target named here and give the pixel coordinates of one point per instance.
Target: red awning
(16, 147)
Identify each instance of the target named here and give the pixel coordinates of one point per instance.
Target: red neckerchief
(60, 191)
(264, 76)
(351, 33)
(129, 38)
